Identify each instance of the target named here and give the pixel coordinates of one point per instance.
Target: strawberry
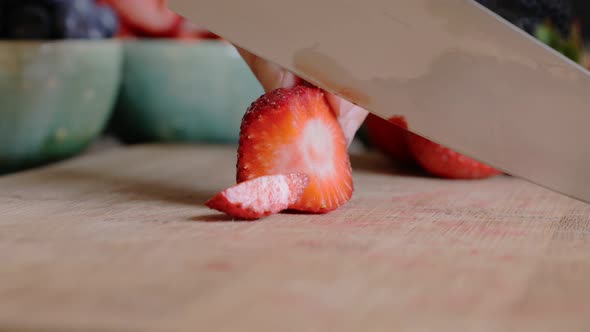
(402, 145)
(260, 197)
(294, 130)
(147, 18)
(446, 163)
(389, 137)
(125, 31)
(191, 31)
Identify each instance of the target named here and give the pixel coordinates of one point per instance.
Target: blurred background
(78, 75)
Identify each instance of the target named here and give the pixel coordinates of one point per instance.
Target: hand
(272, 76)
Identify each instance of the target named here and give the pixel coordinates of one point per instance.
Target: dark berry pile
(528, 14)
(56, 19)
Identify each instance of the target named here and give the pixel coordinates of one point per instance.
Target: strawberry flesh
(389, 137)
(446, 163)
(260, 197)
(394, 140)
(189, 30)
(294, 130)
(147, 18)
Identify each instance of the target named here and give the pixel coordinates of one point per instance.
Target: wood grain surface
(121, 241)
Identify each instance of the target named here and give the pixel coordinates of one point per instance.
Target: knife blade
(460, 74)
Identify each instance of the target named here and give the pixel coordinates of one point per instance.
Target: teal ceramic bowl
(183, 92)
(56, 98)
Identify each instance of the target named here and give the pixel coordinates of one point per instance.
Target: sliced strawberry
(147, 18)
(393, 139)
(260, 197)
(125, 31)
(189, 30)
(446, 163)
(389, 137)
(206, 34)
(294, 130)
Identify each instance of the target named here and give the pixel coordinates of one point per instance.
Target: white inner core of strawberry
(262, 194)
(317, 148)
(312, 152)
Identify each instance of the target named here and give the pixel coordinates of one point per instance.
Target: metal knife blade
(461, 75)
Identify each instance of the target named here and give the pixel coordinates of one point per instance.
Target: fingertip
(246, 56)
(350, 116)
(270, 75)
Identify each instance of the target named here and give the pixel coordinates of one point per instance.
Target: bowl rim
(34, 42)
(114, 41)
(176, 42)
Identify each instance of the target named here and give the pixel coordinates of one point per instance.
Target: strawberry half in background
(153, 19)
(394, 140)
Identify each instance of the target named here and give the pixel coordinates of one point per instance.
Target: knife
(461, 75)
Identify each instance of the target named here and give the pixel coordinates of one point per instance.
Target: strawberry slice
(446, 163)
(260, 197)
(394, 140)
(192, 31)
(294, 130)
(149, 18)
(389, 137)
(125, 31)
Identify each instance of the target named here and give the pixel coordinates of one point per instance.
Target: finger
(270, 75)
(350, 116)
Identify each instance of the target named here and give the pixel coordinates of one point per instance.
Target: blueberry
(56, 19)
(528, 13)
(2, 34)
(75, 20)
(559, 12)
(534, 6)
(106, 21)
(27, 21)
(490, 4)
(528, 24)
(85, 19)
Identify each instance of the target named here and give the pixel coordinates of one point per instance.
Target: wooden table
(121, 241)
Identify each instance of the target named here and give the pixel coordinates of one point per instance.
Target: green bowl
(183, 92)
(56, 98)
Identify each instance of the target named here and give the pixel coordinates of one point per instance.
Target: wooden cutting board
(121, 241)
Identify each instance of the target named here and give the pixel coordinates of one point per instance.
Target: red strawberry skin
(126, 32)
(260, 197)
(147, 18)
(389, 137)
(190, 31)
(295, 131)
(446, 163)
(400, 144)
